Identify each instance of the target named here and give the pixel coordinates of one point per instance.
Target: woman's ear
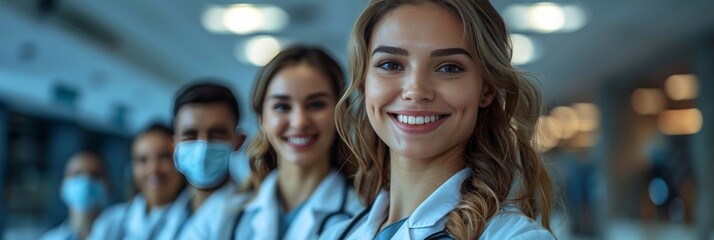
(487, 95)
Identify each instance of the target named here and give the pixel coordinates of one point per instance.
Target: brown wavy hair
(262, 156)
(501, 152)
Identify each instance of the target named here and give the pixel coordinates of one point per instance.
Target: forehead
(152, 139)
(200, 115)
(425, 25)
(83, 163)
(299, 80)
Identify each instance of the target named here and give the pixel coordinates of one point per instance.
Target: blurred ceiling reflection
(572, 46)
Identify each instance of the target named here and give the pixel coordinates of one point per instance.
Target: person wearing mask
(206, 117)
(442, 127)
(298, 164)
(158, 210)
(85, 192)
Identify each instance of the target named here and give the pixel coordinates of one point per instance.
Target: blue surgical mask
(84, 193)
(205, 164)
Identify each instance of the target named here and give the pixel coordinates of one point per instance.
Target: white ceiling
(138, 52)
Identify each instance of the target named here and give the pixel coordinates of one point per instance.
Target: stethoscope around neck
(342, 211)
(439, 235)
(321, 227)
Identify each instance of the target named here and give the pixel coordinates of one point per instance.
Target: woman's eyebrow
(390, 50)
(449, 51)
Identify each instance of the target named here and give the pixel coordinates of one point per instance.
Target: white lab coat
(62, 232)
(260, 216)
(431, 217)
(210, 219)
(130, 220)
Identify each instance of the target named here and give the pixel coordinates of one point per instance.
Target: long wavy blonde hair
(506, 167)
(261, 154)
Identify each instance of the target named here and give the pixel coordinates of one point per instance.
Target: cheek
(325, 120)
(464, 101)
(137, 171)
(378, 94)
(455, 95)
(270, 123)
(466, 105)
(166, 167)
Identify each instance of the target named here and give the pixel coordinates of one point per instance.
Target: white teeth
(299, 141)
(417, 120)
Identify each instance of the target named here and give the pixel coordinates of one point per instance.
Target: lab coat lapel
(369, 228)
(265, 207)
(327, 197)
(320, 203)
(178, 214)
(303, 226)
(138, 220)
(431, 215)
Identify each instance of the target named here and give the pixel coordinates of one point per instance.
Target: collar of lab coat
(140, 223)
(266, 206)
(440, 202)
(266, 194)
(328, 196)
(138, 219)
(429, 213)
(265, 209)
(218, 197)
(332, 184)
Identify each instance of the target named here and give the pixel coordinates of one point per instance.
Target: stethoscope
(342, 211)
(439, 235)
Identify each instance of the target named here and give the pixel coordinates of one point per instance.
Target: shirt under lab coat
(131, 221)
(431, 217)
(261, 216)
(62, 232)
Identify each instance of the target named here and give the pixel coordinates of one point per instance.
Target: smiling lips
(417, 121)
(154, 182)
(300, 142)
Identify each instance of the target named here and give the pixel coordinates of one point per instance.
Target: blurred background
(628, 131)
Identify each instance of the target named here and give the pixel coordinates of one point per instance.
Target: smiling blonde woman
(441, 126)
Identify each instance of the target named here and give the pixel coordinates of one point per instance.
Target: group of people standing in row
(431, 139)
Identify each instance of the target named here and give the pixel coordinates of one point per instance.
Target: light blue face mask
(84, 193)
(205, 164)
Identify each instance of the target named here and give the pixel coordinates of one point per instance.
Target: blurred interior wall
(609, 98)
(3, 161)
(703, 146)
(64, 140)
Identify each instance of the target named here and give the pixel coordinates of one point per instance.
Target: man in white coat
(206, 117)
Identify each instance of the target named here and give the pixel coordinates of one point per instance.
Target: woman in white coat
(159, 210)
(441, 127)
(298, 166)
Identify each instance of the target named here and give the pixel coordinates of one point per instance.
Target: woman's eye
(450, 68)
(281, 107)
(390, 66)
(316, 105)
(140, 160)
